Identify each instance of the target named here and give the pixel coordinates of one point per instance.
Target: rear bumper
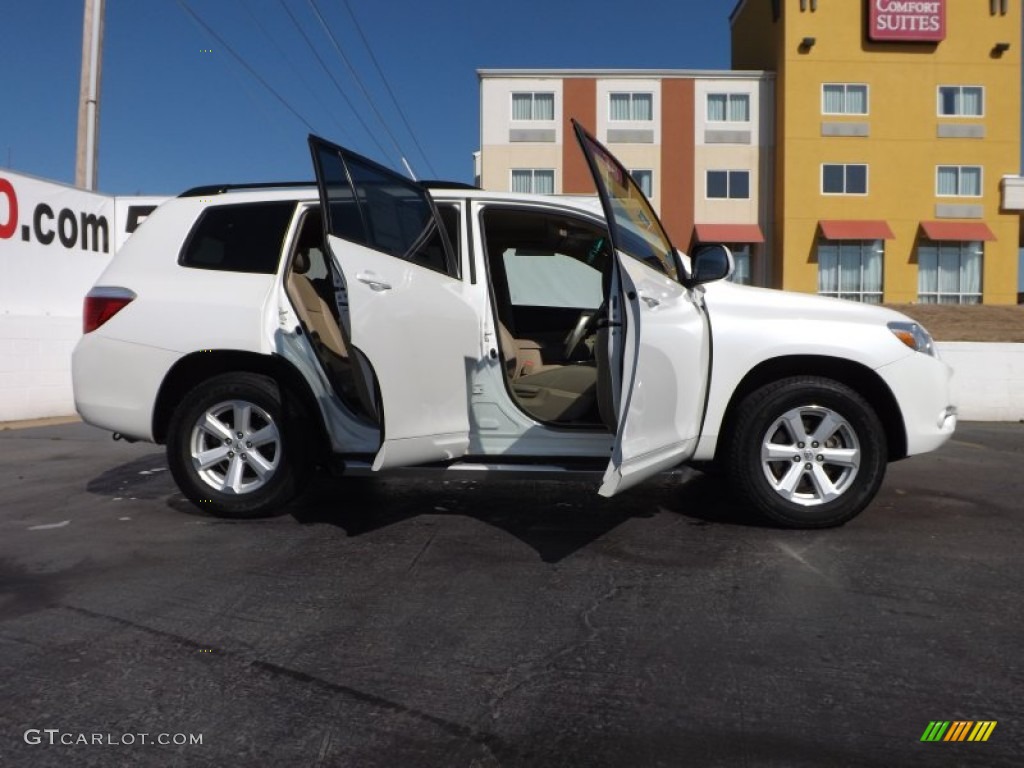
(116, 383)
(921, 385)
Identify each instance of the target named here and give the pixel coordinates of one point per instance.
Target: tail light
(103, 303)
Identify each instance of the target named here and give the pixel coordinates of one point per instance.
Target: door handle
(650, 301)
(370, 279)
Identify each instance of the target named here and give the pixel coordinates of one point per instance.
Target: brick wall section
(579, 100)
(677, 159)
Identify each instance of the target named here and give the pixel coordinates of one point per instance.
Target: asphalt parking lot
(438, 621)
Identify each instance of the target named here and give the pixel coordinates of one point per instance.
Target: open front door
(407, 314)
(659, 344)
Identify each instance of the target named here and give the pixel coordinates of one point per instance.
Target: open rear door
(659, 344)
(408, 315)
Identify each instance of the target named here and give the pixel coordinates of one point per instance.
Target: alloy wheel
(235, 447)
(810, 455)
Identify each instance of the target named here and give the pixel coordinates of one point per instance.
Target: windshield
(635, 228)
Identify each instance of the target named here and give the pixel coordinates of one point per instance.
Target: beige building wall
(508, 144)
(665, 145)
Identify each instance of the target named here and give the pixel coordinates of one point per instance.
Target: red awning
(728, 233)
(852, 229)
(957, 230)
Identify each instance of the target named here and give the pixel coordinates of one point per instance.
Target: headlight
(914, 336)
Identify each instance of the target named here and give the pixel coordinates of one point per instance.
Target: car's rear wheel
(231, 447)
(806, 452)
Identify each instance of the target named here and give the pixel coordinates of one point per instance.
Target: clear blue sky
(173, 116)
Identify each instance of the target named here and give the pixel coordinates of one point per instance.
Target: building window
(844, 99)
(734, 185)
(533, 106)
(638, 107)
(645, 180)
(961, 101)
(741, 258)
(949, 272)
(958, 181)
(728, 107)
(533, 180)
(851, 269)
(846, 179)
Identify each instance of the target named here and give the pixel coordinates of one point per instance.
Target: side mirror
(710, 263)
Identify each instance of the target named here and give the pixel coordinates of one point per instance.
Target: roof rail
(219, 189)
(441, 184)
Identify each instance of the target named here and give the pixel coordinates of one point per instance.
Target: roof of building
(734, 74)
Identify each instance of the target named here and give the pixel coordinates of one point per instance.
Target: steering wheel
(584, 327)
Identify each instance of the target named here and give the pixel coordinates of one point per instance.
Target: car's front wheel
(231, 450)
(806, 452)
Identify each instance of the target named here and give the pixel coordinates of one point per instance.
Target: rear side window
(239, 238)
(372, 206)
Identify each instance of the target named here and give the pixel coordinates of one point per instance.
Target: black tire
(801, 495)
(262, 493)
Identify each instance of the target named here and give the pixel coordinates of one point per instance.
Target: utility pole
(89, 95)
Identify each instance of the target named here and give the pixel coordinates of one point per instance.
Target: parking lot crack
(530, 670)
(494, 745)
(423, 551)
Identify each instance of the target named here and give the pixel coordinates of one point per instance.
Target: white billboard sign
(55, 240)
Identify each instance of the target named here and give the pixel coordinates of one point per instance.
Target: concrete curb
(49, 421)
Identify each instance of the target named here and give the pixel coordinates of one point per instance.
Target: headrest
(300, 264)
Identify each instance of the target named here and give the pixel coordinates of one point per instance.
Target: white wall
(988, 380)
(35, 365)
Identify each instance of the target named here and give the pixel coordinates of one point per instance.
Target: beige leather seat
(524, 355)
(326, 335)
(547, 392)
(314, 310)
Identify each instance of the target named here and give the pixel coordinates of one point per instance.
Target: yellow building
(897, 132)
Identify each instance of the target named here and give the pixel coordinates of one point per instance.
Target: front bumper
(921, 385)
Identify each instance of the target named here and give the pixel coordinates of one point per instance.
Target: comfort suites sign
(907, 20)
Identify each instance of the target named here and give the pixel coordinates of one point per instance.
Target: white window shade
(643, 106)
(544, 182)
(851, 269)
(728, 107)
(522, 106)
(533, 106)
(716, 107)
(970, 181)
(833, 99)
(544, 106)
(739, 108)
(856, 99)
(522, 181)
(637, 107)
(949, 272)
(961, 100)
(619, 106)
(958, 181)
(844, 99)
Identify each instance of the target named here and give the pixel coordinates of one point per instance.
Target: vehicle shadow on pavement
(146, 477)
(554, 517)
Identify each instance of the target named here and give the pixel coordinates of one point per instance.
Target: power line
(391, 93)
(334, 80)
(243, 62)
(296, 69)
(359, 82)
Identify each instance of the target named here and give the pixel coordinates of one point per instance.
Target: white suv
(372, 322)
